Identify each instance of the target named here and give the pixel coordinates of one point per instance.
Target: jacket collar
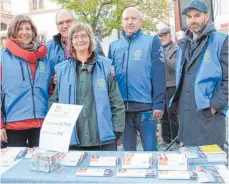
(57, 38)
(134, 36)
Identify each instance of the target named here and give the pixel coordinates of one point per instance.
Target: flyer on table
(58, 125)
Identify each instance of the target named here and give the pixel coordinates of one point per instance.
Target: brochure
(207, 174)
(94, 172)
(142, 173)
(174, 162)
(181, 175)
(103, 161)
(73, 158)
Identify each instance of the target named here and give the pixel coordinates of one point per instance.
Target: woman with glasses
(25, 78)
(85, 79)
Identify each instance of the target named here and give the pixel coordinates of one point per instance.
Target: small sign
(58, 125)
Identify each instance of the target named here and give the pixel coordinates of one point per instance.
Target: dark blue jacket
(140, 69)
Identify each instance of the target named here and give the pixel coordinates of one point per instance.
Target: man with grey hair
(139, 65)
(58, 46)
(201, 79)
(169, 121)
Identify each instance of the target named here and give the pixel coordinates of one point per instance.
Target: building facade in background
(42, 12)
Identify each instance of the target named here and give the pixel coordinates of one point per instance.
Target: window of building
(3, 27)
(37, 5)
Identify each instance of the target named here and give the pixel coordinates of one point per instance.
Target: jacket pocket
(206, 114)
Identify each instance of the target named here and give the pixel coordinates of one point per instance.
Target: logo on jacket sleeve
(102, 84)
(137, 54)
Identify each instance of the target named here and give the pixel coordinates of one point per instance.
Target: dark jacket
(200, 127)
(170, 59)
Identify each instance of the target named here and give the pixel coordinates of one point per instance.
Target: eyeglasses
(83, 37)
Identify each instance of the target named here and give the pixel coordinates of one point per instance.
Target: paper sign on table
(57, 128)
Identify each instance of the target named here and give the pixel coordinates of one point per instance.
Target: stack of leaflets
(10, 156)
(73, 158)
(12, 153)
(170, 161)
(181, 175)
(94, 172)
(103, 161)
(208, 174)
(214, 153)
(137, 160)
(143, 173)
(194, 154)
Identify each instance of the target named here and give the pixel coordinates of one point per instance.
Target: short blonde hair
(16, 22)
(79, 26)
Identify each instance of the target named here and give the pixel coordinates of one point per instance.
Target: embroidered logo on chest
(207, 57)
(137, 54)
(41, 65)
(102, 84)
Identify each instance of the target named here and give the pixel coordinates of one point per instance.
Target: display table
(21, 173)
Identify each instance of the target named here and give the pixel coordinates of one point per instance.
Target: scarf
(23, 51)
(30, 53)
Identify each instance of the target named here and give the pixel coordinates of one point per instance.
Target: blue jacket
(67, 85)
(55, 51)
(140, 69)
(209, 73)
(23, 97)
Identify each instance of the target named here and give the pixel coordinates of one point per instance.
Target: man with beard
(201, 79)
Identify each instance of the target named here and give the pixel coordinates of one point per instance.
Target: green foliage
(106, 15)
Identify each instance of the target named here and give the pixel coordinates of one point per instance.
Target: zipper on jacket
(32, 85)
(22, 72)
(69, 96)
(123, 59)
(127, 90)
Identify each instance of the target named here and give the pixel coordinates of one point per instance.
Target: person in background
(139, 65)
(85, 79)
(169, 121)
(201, 79)
(25, 78)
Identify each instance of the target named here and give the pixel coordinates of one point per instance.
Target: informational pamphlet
(208, 174)
(58, 125)
(6, 165)
(172, 161)
(12, 153)
(182, 175)
(142, 173)
(194, 154)
(94, 172)
(73, 158)
(134, 162)
(103, 161)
